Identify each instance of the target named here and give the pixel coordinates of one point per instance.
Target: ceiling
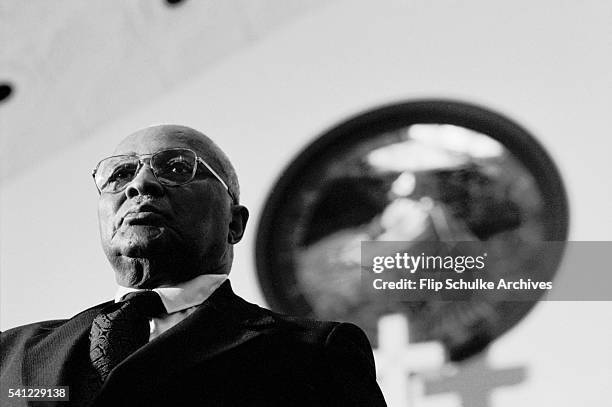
(71, 66)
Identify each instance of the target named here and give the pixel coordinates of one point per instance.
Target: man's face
(157, 235)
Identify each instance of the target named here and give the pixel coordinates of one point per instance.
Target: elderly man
(176, 334)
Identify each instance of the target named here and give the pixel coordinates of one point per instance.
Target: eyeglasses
(171, 167)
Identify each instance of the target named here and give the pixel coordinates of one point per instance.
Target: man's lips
(142, 215)
(143, 218)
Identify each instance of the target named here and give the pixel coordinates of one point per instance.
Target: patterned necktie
(122, 328)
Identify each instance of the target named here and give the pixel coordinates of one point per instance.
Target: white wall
(546, 64)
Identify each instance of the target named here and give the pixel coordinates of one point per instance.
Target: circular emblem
(418, 171)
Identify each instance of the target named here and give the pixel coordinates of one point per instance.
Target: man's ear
(240, 215)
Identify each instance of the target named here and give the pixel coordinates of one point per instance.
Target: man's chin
(140, 241)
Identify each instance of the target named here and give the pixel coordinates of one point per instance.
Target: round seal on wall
(421, 171)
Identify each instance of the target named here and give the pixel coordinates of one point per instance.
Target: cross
(398, 362)
(474, 381)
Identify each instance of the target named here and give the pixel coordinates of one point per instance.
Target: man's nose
(144, 183)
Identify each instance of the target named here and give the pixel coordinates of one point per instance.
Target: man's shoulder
(42, 327)
(309, 328)
(26, 331)
(306, 329)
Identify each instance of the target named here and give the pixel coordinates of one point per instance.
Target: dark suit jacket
(227, 353)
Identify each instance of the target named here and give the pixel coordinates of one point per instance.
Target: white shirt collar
(184, 295)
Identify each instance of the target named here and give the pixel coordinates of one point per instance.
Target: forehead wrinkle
(173, 139)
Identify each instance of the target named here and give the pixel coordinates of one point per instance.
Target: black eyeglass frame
(141, 162)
